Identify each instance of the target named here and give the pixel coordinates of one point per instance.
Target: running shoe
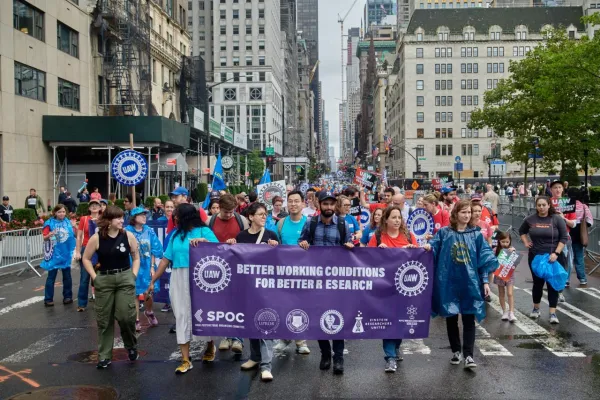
(553, 319)
(456, 358)
(583, 282)
(49, 304)
(237, 346)
(399, 355)
(505, 316)
(266, 376)
(470, 363)
(133, 354)
(346, 351)
(138, 326)
(166, 308)
(68, 301)
(561, 298)
(535, 313)
(209, 353)
(184, 367)
(103, 364)
(225, 344)
(173, 329)
(568, 284)
(281, 345)
(151, 318)
(80, 309)
(511, 317)
(248, 365)
(390, 365)
(302, 349)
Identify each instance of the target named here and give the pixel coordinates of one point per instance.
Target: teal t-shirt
(178, 250)
(290, 232)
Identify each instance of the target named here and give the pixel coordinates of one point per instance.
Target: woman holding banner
(463, 260)
(190, 231)
(261, 350)
(342, 209)
(393, 233)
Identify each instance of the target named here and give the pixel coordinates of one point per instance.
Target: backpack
(237, 216)
(341, 225)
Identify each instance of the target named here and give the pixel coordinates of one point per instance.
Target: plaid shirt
(325, 234)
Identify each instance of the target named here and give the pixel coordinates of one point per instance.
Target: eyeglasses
(261, 215)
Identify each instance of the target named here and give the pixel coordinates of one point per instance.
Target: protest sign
(508, 261)
(421, 224)
(285, 292)
(365, 178)
(563, 204)
(268, 191)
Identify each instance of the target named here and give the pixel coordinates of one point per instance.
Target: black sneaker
(470, 363)
(172, 329)
(338, 367)
(325, 363)
(133, 354)
(103, 364)
(456, 358)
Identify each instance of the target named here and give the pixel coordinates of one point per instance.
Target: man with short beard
(448, 198)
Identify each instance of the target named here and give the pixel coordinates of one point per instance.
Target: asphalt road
(52, 349)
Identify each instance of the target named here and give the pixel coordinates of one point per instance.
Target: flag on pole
(266, 178)
(383, 9)
(388, 142)
(384, 179)
(218, 183)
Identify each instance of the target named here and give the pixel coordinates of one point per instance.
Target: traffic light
(418, 167)
(270, 161)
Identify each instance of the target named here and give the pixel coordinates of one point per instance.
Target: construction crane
(341, 21)
(312, 72)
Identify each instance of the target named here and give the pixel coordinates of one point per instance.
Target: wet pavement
(49, 353)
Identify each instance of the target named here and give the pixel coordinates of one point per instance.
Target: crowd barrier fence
(21, 247)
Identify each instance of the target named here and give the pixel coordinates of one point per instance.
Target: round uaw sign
(365, 216)
(129, 168)
(269, 191)
(420, 223)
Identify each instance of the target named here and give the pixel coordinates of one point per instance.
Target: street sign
(269, 151)
(457, 159)
(171, 161)
(415, 185)
(458, 167)
(422, 158)
(538, 154)
(129, 168)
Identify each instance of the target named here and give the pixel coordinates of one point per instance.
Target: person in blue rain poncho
(150, 249)
(59, 244)
(463, 260)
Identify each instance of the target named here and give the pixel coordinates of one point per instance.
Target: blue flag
(218, 182)
(266, 178)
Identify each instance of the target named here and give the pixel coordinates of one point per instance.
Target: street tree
(256, 165)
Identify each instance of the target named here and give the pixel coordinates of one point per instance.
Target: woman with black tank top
(114, 281)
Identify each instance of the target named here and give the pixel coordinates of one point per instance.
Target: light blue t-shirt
(290, 232)
(352, 222)
(367, 234)
(178, 250)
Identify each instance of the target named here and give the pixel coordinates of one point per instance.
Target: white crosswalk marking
(489, 346)
(196, 351)
(578, 315)
(590, 291)
(22, 304)
(415, 346)
(39, 347)
(550, 343)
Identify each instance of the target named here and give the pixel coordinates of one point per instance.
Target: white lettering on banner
(308, 271)
(227, 316)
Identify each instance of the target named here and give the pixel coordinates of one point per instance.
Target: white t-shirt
(308, 211)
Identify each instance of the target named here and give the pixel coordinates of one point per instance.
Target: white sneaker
(553, 319)
(302, 350)
(470, 363)
(561, 298)
(535, 313)
(281, 345)
(505, 316)
(511, 317)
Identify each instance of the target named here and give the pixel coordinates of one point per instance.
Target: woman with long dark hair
(114, 280)
(463, 260)
(544, 232)
(370, 229)
(190, 231)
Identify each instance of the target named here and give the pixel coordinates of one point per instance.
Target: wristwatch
(557, 253)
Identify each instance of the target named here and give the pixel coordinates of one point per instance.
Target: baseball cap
(214, 194)
(138, 211)
(104, 201)
(557, 182)
(476, 197)
(446, 190)
(5, 198)
(93, 201)
(179, 191)
(324, 195)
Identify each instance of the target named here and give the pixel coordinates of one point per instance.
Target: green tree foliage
(553, 94)
(569, 174)
(256, 165)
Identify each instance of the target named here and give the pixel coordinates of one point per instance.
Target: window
(419, 69)
(248, 29)
(223, 30)
(449, 84)
(261, 44)
(248, 60)
(571, 34)
(261, 76)
(420, 151)
(223, 76)
(420, 100)
(230, 94)
(489, 68)
(450, 120)
(449, 68)
(28, 19)
(68, 94)
(223, 61)
(420, 85)
(419, 52)
(437, 68)
(261, 13)
(236, 61)
(437, 85)
(67, 39)
(443, 85)
(236, 29)
(494, 35)
(223, 46)
(248, 46)
(236, 14)
(437, 52)
(261, 29)
(463, 100)
(419, 37)
(475, 83)
(501, 67)
(249, 76)
(249, 14)
(30, 82)
(475, 100)
(437, 117)
(420, 133)
(420, 117)
(255, 94)
(261, 60)
(236, 76)
(100, 90)
(489, 83)
(236, 45)
(201, 21)
(223, 14)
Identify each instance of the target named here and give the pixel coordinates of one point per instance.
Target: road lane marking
(594, 289)
(583, 318)
(196, 351)
(39, 347)
(415, 346)
(590, 292)
(539, 334)
(488, 346)
(22, 304)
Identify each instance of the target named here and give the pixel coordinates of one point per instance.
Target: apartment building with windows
(449, 58)
(200, 28)
(44, 70)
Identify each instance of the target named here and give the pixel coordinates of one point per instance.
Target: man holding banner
(327, 230)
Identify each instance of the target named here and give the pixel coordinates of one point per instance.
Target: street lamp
(585, 154)
(410, 154)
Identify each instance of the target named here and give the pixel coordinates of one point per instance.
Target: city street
(46, 348)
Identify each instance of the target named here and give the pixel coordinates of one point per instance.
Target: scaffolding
(124, 30)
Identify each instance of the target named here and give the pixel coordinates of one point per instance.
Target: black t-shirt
(6, 212)
(247, 237)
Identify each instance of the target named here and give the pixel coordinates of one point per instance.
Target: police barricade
(13, 248)
(593, 248)
(35, 248)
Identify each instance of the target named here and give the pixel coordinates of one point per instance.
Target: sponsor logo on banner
(198, 315)
(268, 191)
(411, 278)
(297, 321)
(212, 274)
(411, 321)
(358, 324)
(420, 223)
(266, 321)
(129, 168)
(332, 322)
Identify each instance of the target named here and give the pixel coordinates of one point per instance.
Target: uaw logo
(61, 234)
(411, 278)
(331, 322)
(212, 274)
(266, 321)
(129, 168)
(420, 223)
(270, 191)
(297, 321)
(48, 249)
(365, 216)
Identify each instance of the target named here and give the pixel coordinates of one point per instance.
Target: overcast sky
(329, 55)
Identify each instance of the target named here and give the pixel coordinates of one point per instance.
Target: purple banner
(284, 292)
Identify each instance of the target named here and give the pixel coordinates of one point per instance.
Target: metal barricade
(13, 248)
(593, 248)
(35, 248)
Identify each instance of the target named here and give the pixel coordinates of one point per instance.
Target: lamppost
(536, 144)
(585, 154)
(410, 154)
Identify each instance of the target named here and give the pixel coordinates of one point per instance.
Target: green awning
(113, 130)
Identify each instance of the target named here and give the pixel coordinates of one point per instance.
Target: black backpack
(341, 225)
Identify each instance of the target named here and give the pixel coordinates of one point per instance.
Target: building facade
(376, 10)
(200, 28)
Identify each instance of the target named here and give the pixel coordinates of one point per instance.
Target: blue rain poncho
(149, 245)
(58, 252)
(463, 261)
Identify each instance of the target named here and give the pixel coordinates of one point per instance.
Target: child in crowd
(505, 287)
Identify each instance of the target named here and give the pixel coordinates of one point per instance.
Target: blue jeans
(579, 261)
(390, 348)
(568, 250)
(84, 284)
(236, 338)
(67, 285)
(261, 351)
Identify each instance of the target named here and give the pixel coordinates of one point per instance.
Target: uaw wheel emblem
(212, 274)
(331, 322)
(266, 321)
(297, 321)
(411, 278)
(48, 250)
(129, 168)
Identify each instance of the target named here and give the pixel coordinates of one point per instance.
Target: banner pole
(133, 187)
